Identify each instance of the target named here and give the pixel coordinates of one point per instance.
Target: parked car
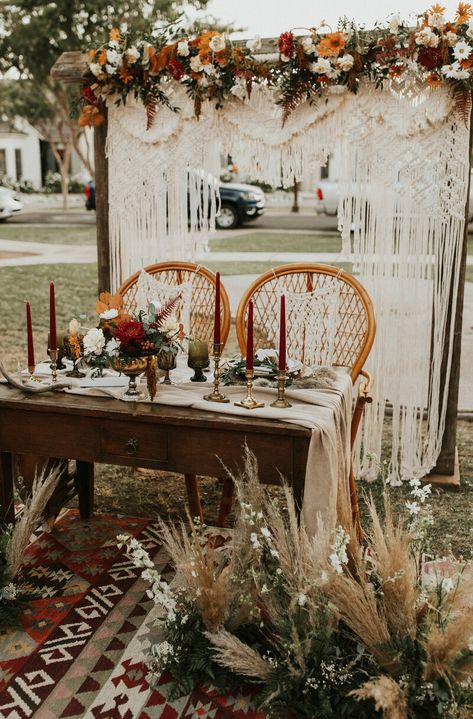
(327, 198)
(9, 203)
(89, 191)
(239, 204)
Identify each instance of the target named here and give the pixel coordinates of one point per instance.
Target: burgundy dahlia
(175, 69)
(131, 336)
(89, 95)
(286, 44)
(430, 57)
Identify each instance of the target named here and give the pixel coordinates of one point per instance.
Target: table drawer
(134, 441)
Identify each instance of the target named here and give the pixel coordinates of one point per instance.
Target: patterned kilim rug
(79, 652)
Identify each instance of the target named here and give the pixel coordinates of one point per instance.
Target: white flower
(427, 37)
(264, 589)
(210, 70)
(266, 354)
(217, 43)
(279, 570)
(274, 553)
(323, 577)
(94, 342)
(95, 68)
(73, 328)
(345, 63)
(436, 19)
(308, 45)
(413, 507)
(113, 44)
(113, 57)
(132, 55)
(422, 492)
(336, 563)
(196, 64)
(183, 48)
(394, 23)
(339, 555)
(254, 540)
(301, 599)
(109, 314)
(239, 88)
(284, 58)
(462, 50)
(447, 584)
(254, 44)
(8, 592)
(322, 66)
(170, 327)
(265, 532)
(451, 38)
(455, 71)
(469, 31)
(112, 347)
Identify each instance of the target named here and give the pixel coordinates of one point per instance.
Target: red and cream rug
(79, 652)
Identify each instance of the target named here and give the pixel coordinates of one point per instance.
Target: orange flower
(437, 9)
(102, 57)
(467, 62)
(221, 58)
(463, 13)
(114, 35)
(125, 75)
(106, 302)
(91, 117)
(91, 55)
(331, 44)
(434, 80)
(158, 61)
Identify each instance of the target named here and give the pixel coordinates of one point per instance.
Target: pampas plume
(388, 696)
(33, 514)
(230, 652)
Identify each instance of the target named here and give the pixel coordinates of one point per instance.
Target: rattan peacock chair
(355, 329)
(201, 322)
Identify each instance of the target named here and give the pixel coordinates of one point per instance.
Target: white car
(9, 203)
(327, 198)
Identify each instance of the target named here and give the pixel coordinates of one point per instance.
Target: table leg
(226, 501)
(85, 488)
(7, 508)
(299, 464)
(193, 496)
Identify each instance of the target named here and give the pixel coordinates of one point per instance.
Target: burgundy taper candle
(52, 318)
(29, 337)
(282, 335)
(217, 310)
(249, 337)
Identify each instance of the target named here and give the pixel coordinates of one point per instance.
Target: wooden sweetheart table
(176, 439)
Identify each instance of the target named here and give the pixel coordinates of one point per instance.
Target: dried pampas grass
(388, 696)
(230, 652)
(33, 514)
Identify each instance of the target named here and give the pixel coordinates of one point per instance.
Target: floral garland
(213, 68)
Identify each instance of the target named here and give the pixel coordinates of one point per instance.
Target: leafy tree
(34, 34)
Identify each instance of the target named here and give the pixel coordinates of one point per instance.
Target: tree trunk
(295, 204)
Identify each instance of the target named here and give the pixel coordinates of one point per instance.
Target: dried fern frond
(462, 99)
(33, 514)
(230, 652)
(292, 98)
(388, 696)
(150, 106)
(166, 310)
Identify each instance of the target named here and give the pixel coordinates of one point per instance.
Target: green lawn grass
(257, 268)
(277, 242)
(65, 235)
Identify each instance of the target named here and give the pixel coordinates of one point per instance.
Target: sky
(269, 18)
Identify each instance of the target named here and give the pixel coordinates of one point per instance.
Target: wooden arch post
(70, 67)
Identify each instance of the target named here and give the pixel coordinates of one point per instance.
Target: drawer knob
(132, 445)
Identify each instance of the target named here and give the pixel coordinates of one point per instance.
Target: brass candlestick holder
(249, 402)
(216, 395)
(281, 401)
(32, 377)
(53, 356)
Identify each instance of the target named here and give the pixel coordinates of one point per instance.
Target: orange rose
(331, 44)
(114, 35)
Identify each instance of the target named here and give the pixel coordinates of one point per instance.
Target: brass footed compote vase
(131, 367)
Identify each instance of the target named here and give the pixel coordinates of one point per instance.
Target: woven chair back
(203, 296)
(355, 325)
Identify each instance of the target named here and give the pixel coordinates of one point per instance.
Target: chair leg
(226, 501)
(193, 496)
(355, 509)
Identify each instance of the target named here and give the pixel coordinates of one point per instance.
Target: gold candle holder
(31, 370)
(281, 401)
(216, 395)
(53, 357)
(249, 402)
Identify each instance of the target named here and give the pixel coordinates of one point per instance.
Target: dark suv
(239, 204)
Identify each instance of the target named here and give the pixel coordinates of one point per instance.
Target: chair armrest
(364, 397)
(365, 388)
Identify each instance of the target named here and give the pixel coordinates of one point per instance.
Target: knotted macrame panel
(403, 187)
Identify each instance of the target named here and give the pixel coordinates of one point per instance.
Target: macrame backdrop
(403, 186)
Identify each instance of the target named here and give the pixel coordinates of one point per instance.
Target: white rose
(345, 63)
(170, 327)
(95, 68)
(451, 38)
(321, 67)
(266, 354)
(254, 44)
(394, 23)
(427, 38)
(436, 19)
(239, 88)
(196, 64)
(132, 55)
(109, 314)
(462, 50)
(210, 70)
(217, 43)
(94, 342)
(113, 57)
(308, 45)
(112, 347)
(183, 48)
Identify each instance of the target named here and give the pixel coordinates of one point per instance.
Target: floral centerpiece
(128, 343)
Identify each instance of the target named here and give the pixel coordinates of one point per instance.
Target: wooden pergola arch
(70, 68)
